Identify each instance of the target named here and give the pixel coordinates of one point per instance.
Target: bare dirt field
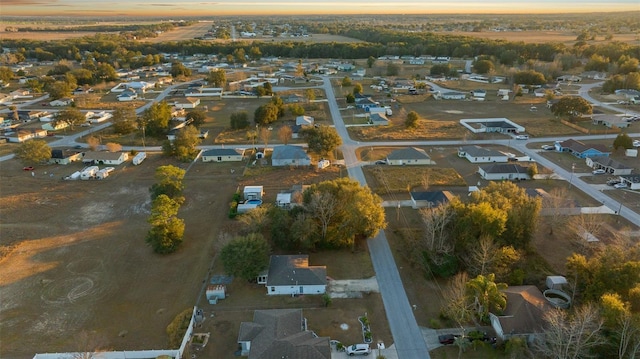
(74, 258)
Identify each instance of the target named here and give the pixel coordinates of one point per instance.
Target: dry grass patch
(392, 179)
(396, 131)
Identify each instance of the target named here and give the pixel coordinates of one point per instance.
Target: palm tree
(486, 295)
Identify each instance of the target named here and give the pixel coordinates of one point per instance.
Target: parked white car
(636, 143)
(620, 185)
(598, 172)
(522, 137)
(358, 349)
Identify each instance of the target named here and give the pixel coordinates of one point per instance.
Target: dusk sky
(253, 7)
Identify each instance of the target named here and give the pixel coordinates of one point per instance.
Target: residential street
(408, 337)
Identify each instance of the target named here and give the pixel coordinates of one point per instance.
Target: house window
(273, 289)
(219, 159)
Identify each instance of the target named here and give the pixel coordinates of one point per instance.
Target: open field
(567, 38)
(74, 258)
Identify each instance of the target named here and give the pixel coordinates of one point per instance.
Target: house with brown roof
(281, 333)
(580, 149)
(292, 275)
(523, 315)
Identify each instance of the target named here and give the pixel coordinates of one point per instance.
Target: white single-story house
(281, 333)
(409, 156)
(105, 158)
(98, 117)
(569, 78)
(64, 157)
(503, 171)
(54, 126)
(304, 121)
(450, 95)
(476, 154)
(289, 155)
(25, 135)
(65, 101)
(487, 125)
(610, 121)
(608, 164)
(479, 93)
(223, 155)
(523, 315)
(127, 95)
(633, 181)
(292, 275)
(187, 102)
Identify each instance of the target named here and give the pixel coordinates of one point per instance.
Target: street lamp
(573, 168)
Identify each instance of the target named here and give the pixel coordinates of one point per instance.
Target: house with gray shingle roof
(281, 333)
(223, 155)
(289, 155)
(523, 315)
(292, 275)
(503, 171)
(477, 154)
(608, 164)
(409, 156)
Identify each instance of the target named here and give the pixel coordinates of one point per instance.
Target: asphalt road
(407, 336)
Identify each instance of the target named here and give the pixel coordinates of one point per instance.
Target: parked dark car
(446, 339)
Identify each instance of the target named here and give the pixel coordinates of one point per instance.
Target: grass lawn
(393, 179)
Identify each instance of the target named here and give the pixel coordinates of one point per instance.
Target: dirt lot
(74, 259)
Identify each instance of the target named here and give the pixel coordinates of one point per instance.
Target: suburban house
(450, 95)
(581, 150)
(293, 197)
(608, 164)
(523, 315)
(365, 102)
(64, 157)
(292, 275)
(479, 94)
(127, 95)
(223, 155)
(187, 102)
(610, 121)
(409, 156)
(430, 199)
(54, 126)
(378, 119)
(304, 121)
(488, 125)
(293, 98)
(105, 158)
(627, 93)
(65, 101)
(503, 171)
(25, 135)
(569, 78)
(289, 155)
(633, 181)
(97, 117)
(476, 154)
(595, 75)
(281, 333)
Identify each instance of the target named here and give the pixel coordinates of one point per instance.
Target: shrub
(178, 327)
